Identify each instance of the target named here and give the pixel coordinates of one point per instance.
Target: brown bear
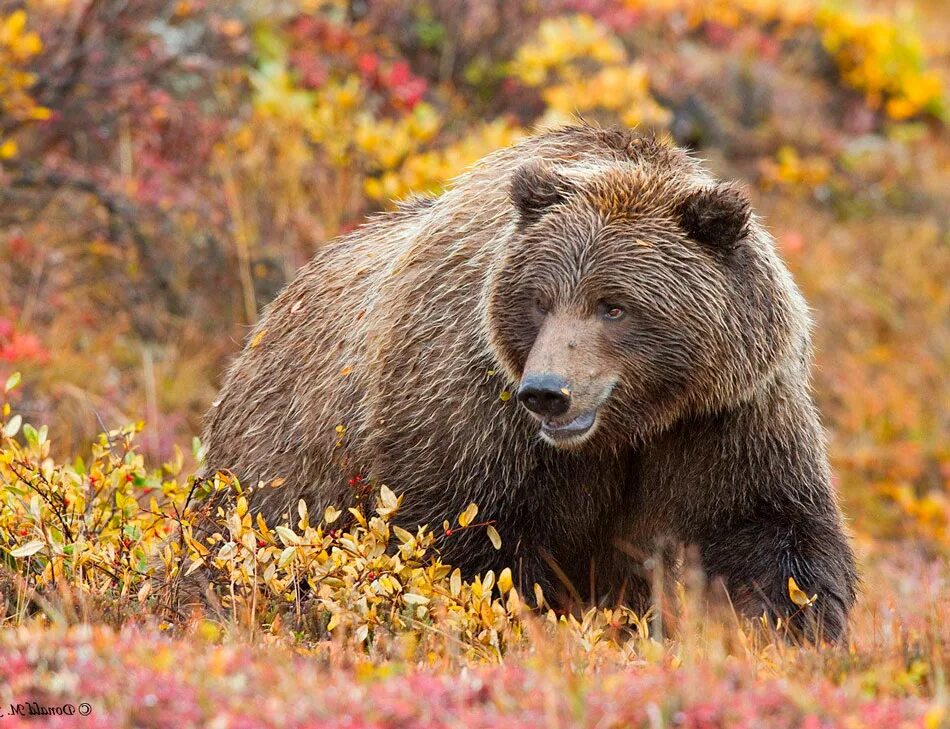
(589, 337)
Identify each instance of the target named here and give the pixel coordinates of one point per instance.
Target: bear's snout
(545, 394)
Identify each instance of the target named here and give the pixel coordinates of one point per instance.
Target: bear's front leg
(756, 554)
(750, 486)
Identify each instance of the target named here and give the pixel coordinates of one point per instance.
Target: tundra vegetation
(166, 166)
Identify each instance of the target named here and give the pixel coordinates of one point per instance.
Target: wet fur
(407, 331)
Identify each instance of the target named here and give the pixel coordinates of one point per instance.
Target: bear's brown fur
(612, 266)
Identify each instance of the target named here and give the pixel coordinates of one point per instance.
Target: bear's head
(630, 296)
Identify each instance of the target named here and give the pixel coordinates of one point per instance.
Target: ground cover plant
(166, 166)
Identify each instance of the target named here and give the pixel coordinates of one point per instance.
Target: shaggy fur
(407, 331)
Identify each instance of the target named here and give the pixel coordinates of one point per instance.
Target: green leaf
(31, 435)
(432, 34)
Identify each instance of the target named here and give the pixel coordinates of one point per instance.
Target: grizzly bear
(586, 335)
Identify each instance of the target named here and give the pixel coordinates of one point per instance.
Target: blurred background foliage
(165, 167)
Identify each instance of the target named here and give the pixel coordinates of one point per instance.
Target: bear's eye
(612, 312)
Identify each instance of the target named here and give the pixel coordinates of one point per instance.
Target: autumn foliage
(164, 169)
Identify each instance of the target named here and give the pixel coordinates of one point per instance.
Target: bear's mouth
(562, 431)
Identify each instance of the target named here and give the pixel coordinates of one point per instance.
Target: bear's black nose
(545, 394)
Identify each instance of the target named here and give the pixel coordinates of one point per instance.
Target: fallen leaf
(258, 338)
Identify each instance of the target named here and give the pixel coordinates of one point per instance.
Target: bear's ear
(534, 189)
(716, 216)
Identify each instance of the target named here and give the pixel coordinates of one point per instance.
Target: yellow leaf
(331, 514)
(798, 595)
(197, 546)
(494, 536)
(194, 566)
(387, 498)
(934, 717)
(287, 536)
(258, 338)
(538, 595)
(13, 25)
(28, 549)
(505, 583)
(403, 535)
(286, 555)
(262, 527)
(488, 617)
(504, 396)
(465, 518)
(12, 381)
(455, 582)
(13, 427)
(8, 149)
(208, 631)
